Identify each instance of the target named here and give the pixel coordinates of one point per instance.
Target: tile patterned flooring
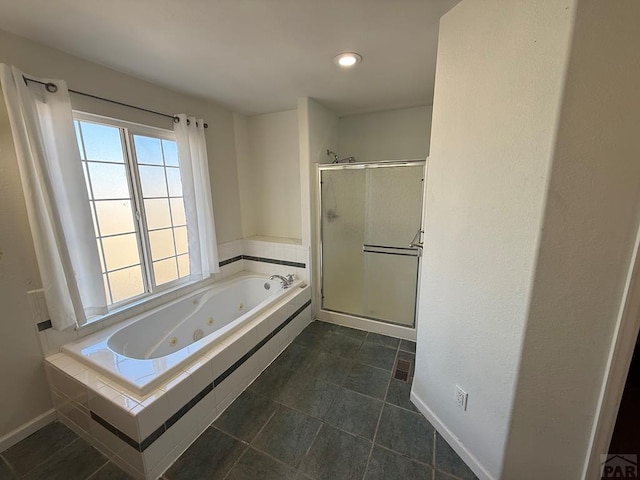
(326, 409)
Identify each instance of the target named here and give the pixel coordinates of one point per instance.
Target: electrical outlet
(461, 398)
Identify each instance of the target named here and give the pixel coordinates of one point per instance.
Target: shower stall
(370, 217)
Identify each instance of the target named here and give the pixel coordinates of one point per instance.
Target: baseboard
(459, 448)
(360, 323)
(23, 431)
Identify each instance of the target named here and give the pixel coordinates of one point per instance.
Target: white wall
(401, 134)
(24, 392)
(589, 230)
(318, 131)
(269, 174)
(498, 89)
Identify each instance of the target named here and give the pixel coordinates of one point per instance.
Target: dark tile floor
(326, 409)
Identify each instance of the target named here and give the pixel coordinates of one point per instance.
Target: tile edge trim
(158, 432)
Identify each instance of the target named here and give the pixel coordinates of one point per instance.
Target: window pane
(121, 251)
(115, 216)
(183, 265)
(181, 239)
(126, 283)
(153, 181)
(170, 153)
(148, 150)
(102, 142)
(77, 127)
(165, 270)
(157, 211)
(161, 244)
(175, 184)
(177, 211)
(109, 181)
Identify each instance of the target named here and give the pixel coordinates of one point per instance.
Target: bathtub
(145, 351)
(143, 390)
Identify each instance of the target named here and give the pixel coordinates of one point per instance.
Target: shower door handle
(416, 243)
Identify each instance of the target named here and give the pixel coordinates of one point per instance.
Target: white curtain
(196, 189)
(56, 197)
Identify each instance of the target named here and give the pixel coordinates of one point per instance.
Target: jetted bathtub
(144, 351)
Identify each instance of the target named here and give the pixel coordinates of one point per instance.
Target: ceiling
(252, 56)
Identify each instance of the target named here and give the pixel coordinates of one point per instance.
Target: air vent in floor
(401, 370)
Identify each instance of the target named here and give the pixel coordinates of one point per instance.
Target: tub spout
(285, 281)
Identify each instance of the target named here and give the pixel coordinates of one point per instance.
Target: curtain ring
(188, 122)
(51, 87)
(176, 119)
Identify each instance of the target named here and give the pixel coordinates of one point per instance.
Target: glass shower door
(370, 214)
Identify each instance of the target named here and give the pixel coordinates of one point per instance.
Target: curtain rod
(52, 88)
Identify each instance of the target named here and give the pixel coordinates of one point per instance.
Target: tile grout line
(100, 468)
(318, 349)
(375, 433)
(50, 456)
(340, 385)
(433, 453)
(404, 455)
(267, 454)
(315, 437)
(247, 447)
(9, 466)
(248, 444)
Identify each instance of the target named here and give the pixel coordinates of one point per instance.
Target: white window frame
(127, 131)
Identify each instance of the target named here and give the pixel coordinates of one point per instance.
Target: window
(135, 194)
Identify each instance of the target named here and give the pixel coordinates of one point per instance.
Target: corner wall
(318, 131)
(588, 235)
(498, 90)
(269, 174)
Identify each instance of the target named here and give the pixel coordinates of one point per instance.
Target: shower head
(334, 155)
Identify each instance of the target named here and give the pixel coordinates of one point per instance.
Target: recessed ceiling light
(347, 59)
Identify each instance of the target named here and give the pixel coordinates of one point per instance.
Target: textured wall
(269, 174)
(590, 225)
(497, 97)
(401, 134)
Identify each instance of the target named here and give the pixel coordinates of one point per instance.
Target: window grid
(173, 229)
(156, 262)
(139, 217)
(83, 153)
(107, 269)
(145, 260)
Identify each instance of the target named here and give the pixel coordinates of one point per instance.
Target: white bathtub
(146, 350)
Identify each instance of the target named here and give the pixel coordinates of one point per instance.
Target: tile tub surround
(265, 255)
(137, 353)
(144, 435)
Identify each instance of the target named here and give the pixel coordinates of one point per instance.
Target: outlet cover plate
(461, 398)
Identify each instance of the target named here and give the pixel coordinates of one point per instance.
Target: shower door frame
(348, 319)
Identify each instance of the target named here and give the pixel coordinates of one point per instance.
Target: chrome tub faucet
(286, 281)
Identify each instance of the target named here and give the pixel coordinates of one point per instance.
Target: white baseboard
(471, 461)
(360, 323)
(23, 431)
